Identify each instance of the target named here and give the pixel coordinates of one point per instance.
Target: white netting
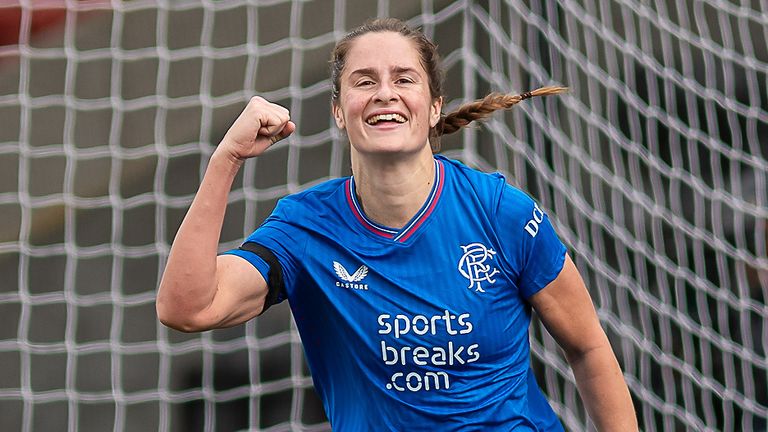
(654, 169)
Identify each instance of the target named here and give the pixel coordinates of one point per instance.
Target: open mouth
(385, 118)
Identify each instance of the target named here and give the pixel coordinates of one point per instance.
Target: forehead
(382, 50)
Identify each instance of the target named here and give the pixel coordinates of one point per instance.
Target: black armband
(275, 285)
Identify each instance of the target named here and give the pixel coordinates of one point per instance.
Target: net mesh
(653, 169)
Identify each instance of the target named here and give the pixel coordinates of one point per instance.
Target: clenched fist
(261, 124)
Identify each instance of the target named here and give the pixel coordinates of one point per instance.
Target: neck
(392, 190)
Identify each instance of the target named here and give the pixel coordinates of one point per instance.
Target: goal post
(653, 169)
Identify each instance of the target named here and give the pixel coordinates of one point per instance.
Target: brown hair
(430, 61)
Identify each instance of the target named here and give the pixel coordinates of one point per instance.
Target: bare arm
(566, 309)
(199, 290)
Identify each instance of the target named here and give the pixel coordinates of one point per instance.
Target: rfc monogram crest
(475, 265)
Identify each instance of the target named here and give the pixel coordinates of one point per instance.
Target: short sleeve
(281, 237)
(530, 243)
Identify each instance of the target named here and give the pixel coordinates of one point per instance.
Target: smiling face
(384, 102)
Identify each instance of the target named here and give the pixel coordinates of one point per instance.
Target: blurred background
(653, 169)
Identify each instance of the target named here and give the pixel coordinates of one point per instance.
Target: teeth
(386, 117)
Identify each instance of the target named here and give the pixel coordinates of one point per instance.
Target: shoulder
(296, 216)
(467, 180)
(498, 196)
(491, 187)
(312, 199)
(476, 177)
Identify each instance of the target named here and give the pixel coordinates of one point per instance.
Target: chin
(388, 148)
(388, 145)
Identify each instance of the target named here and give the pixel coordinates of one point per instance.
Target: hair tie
(526, 95)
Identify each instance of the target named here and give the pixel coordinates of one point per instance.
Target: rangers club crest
(476, 267)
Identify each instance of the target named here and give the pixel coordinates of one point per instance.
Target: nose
(385, 92)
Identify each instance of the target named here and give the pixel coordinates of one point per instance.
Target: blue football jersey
(423, 327)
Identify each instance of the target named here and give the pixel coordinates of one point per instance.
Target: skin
(393, 163)
(566, 309)
(200, 290)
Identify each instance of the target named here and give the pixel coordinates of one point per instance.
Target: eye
(364, 83)
(404, 80)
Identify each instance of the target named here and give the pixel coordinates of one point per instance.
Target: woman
(412, 281)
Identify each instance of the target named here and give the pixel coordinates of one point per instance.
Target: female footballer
(412, 282)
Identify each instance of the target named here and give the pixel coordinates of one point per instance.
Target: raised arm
(200, 291)
(566, 310)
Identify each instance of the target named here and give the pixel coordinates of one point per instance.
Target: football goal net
(653, 169)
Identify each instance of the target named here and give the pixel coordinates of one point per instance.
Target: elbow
(181, 324)
(170, 319)
(178, 319)
(601, 354)
(175, 323)
(175, 308)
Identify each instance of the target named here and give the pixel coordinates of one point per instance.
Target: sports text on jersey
(434, 357)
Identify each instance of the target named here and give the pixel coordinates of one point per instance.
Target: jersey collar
(403, 234)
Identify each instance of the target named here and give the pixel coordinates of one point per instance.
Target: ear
(435, 111)
(338, 115)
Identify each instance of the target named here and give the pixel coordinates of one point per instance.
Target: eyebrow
(371, 71)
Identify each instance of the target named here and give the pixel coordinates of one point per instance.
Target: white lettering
(350, 285)
(387, 328)
(403, 350)
(471, 351)
(434, 324)
(455, 354)
(463, 321)
(438, 357)
(405, 328)
(448, 317)
(413, 387)
(417, 319)
(399, 352)
(419, 354)
(416, 382)
(533, 225)
(384, 350)
(421, 324)
(394, 378)
(435, 375)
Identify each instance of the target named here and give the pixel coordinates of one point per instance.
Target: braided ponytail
(482, 109)
(430, 60)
